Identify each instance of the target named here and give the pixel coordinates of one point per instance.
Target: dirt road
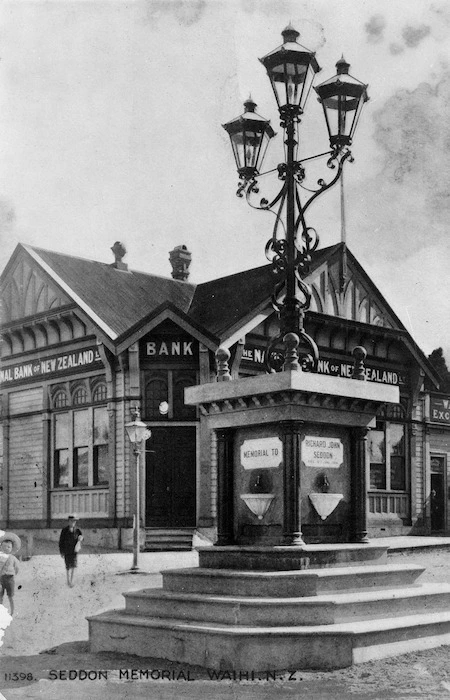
(48, 639)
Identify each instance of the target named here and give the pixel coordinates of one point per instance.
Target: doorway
(437, 495)
(170, 477)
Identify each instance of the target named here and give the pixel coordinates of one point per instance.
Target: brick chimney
(180, 259)
(119, 251)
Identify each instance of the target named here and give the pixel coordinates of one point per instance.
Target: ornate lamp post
(137, 432)
(291, 69)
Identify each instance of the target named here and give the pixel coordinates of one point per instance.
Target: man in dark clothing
(68, 539)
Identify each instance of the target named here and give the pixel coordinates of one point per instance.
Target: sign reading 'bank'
(169, 349)
(88, 358)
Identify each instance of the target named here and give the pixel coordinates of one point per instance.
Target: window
(81, 448)
(156, 393)
(60, 399)
(61, 460)
(183, 411)
(164, 395)
(99, 393)
(387, 456)
(79, 396)
(100, 440)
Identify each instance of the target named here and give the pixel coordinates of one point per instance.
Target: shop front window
(387, 456)
(397, 451)
(100, 440)
(81, 448)
(81, 466)
(61, 461)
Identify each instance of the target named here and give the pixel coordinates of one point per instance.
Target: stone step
(166, 540)
(218, 646)
(284, 558)
(285, 584)
(276, 612)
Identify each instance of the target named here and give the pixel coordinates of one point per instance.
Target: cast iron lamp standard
(291, 69)
(137, 432)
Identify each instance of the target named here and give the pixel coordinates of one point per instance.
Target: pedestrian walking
(70, 541)
(10, 544)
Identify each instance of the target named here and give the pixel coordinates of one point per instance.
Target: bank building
(85, 343)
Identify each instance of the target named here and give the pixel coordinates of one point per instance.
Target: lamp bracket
(306, 239)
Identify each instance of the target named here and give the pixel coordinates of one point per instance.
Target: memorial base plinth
(285, 558)
(280, 608)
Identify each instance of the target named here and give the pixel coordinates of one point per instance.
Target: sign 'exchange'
(262, 453)
(324, 452)
(440, 409)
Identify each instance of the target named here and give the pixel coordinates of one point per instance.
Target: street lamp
(137, 432)
(342, 98)
(249, 135)
(291, 69)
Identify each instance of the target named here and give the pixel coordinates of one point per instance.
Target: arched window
(60, 399)
(182, 411)
(99, 393)
(79, 396)
(156, 393)
(395, 412)
(164, 395)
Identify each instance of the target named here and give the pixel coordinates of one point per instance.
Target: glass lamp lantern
(342, 98)
(291, 69)
(137, 431)
(249, 135)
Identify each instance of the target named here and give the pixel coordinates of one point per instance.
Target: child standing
(9, 566)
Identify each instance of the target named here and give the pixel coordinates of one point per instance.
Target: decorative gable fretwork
(353, 302)
(41, 332)
(27, 291)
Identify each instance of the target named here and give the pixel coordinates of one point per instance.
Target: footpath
(45, 652)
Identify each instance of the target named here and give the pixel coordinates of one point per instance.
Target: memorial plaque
(262, 453)
(324, 452)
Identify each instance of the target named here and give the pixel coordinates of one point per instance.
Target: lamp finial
(290, 34)
(342, 66)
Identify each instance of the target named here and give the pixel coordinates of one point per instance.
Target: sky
(110, 129)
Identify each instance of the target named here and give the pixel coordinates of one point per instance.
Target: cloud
(408, 205)
(375, 28)
(412, 36)
(186, 12)
(7, 216)
(413, 286)
(395, 49)
(442, 10)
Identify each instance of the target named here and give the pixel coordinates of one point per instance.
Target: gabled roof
(335, 254)
(118, 298)
(117, 301)
(219, 304)
(125, 304)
